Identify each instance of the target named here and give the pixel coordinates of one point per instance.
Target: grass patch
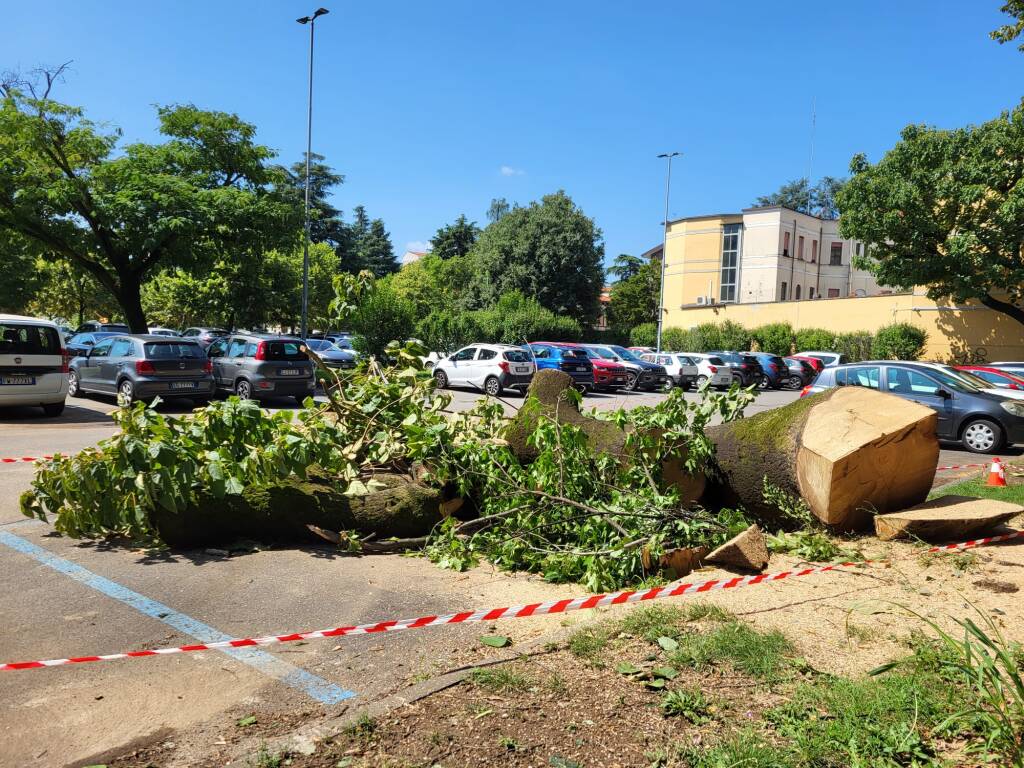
(686, 703)
(363, 728)
(761, 655)
(501, 680)
(588, 643)
(708, 612)
(1013, 492)
(745, 749)
(652, 622)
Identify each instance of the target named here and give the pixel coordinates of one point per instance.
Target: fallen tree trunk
(282, 511)
(849, 453)
(546, 397)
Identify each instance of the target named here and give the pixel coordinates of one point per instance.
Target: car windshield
(319, 345)
(602, 353)
(730, 357)
(516, 356)
(29, 340)
(573, 353)
(973, 380)
(684, 360)
(625, 354)
(715, 360)
(956, 383)
(172, 350)
(284, 350)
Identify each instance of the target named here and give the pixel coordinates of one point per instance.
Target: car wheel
(982, 436)
(126, 392)
(668, 386)
(764, 383)
(53, 409)
(492, 386)
(631, 382)
(795, 382)
(243, 389)
(442, 379)
(429, 365)
(73, 388)
(702, 380)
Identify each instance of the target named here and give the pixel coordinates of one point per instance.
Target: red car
(815, 363)
(608, 374)
(997, 377)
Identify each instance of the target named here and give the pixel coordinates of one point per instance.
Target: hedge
(899, 341)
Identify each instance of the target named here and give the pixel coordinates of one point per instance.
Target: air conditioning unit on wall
(702, 300)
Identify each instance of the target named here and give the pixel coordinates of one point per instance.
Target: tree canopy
(799, 195)
(625, 266)
(455, 239)
(634, 299)
(945, 209)
(1010, 32)
(368, 246)
(550, 251)
(70, 190)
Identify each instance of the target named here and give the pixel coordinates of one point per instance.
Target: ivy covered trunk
(280, 512)
(850, 453)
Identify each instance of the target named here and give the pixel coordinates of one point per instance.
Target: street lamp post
(664, 246)
(311, 21)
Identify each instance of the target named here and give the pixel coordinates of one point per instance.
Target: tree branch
(1005, 307)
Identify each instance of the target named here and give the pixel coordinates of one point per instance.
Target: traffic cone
(996, 473)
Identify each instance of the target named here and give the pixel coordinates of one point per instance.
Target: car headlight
(1016, 407)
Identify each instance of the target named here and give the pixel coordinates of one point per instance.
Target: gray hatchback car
(257, 366)
(140, 367)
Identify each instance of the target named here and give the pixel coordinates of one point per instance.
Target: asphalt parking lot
(67, 598)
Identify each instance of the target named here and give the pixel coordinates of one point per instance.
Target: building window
(796, 293)
(835, 256)
(782, 293)
(833, 293)
(858, 249)
(730, 261)
(785, 243)
(810, 292)
(800, 247)
(814, 251)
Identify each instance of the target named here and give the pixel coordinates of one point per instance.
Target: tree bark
(849, 453)
(129, 296)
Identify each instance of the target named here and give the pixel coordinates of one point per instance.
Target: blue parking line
(315, 687)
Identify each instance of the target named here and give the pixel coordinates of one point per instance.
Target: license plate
(183, 385)
(522, 369)
(17, 380)
(581, 369)
(289, 372)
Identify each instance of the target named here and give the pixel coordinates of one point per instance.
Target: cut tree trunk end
(850, 452)
(950, 518)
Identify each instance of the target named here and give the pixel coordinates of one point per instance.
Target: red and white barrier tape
(977, 542)
(21, 459)
(963, 466)
(467, 617)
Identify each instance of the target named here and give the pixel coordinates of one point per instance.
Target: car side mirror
(945, 394)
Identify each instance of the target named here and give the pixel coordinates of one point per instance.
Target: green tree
(66, 291)
(634, 299)
(1010, 32)
(455, 239)
(945, 209)
(17, 259)
(550, 251)
(499, 207)
(625, 266)
(368, 246)
(69, 189)
(382, 317)
(799, 195)
(325, 221)
(432, 282)
(516, 319)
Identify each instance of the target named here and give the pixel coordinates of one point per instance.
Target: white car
(33, 364)
(679, 367)
(157, 331)
(490, 367)
(711, 368)
(830, 359)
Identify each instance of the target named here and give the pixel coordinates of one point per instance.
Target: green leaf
(656, 684)
(668, 644)
(668, 673)
(625, 668)
(247, 721)
(495, 641)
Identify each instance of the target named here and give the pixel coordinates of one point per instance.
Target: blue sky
(432, 109)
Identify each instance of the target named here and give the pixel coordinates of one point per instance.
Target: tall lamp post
(664, 246)
(311, 21)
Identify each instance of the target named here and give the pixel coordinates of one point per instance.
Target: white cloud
(508, 170)
(418, 246)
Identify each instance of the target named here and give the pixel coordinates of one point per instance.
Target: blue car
(774, 370)
(571, 360)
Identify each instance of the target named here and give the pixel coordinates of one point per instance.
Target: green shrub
(776, 338)
(705, 337)
(644, 335)
(817, 339)
(382, 317)
(856, 345)
(899, 341)
(446, 330)
(678, 340)
(734, 336)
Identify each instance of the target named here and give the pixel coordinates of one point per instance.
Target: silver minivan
(33, 364)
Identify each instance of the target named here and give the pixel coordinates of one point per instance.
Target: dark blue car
(571, 360)
(774, 371)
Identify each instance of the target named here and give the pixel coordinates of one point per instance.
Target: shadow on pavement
(207, 555)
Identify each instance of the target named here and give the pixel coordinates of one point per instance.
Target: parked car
(995, 376)
(711, 370)
(158, 331)
(94, 326)
(814, 362)
(143, 366)
(830, 359)
(570, 359)
(33, 364)
(774, 370)
(256, 366)
(81, 343)
(490, 367)
(640, 350)
(1017, 369)
(332, 355)
(801, 373)
(980, 421)
(980, 383)
(608, 374)
(745, 368)
(642, 374)
(204, 336)
(681, 370)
